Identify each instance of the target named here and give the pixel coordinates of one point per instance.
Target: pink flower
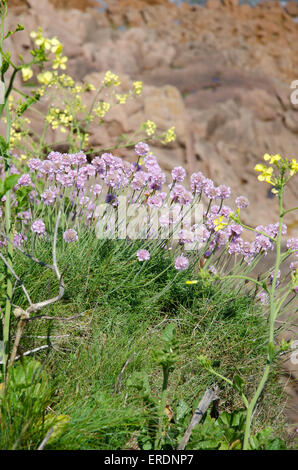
(178, 174)
(181, 263)
(70, 235)
(35, 164)
(242, 202)
(142, 149)
(263, 298)
(197, 181)
(49, 196)
(24, 180)
(143, 255)
(38, 227)
(19, 238)
(96, 189)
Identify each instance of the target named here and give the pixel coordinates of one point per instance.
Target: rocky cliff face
(221, 74)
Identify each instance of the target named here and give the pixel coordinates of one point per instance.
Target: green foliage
(8, 184)
(23, 406)
(227, 433)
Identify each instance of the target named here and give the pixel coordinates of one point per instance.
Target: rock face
(292, 8)
(221, 74)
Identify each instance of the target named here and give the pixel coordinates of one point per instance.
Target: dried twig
(40, 305)
(47, 317)
(209, 396)
(45, 440)
(40, 348)
(118, 381)
(24, 315)
(16, 277)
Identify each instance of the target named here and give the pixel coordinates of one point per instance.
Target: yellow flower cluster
(149, 127)
(59, 119)
(219, 224)
(111, 79)
(51, 45)
(15, 137)
(77, 89)
(138, 87)
(40, 40)
(102, 108)
(273, 159)
(282, 165)
(66, 80)
(121, 98)
(169, 136)
(293, 167)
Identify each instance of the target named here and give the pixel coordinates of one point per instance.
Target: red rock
(213, 4)
(292, 8)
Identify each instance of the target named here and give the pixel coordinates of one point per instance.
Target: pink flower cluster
(77, 185)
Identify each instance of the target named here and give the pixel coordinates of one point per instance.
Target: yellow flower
(27, 73)
(45, 77)
(169, 136)
(60, 61)
(66, 80)
(138, 87)
(294, 167)
(40, 40)
(266, 173)
(191, 282)
(150, 127)
(102, 108)
(57, 117)
(219, 224)
(77, 89)
(121, 98)
(111, 79)
(90, 87)
(56, 46)
(273, 159)
(23, 157)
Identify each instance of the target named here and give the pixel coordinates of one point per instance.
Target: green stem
(272, 318)
(162, 408)
(9, 284)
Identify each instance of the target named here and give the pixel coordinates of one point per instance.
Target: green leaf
(204, 361)
(238, 383)
(58, 423)
(225, 418)
(8, 184)
(147, 446)
(182, 410)
(275, 444)
(169, 334)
